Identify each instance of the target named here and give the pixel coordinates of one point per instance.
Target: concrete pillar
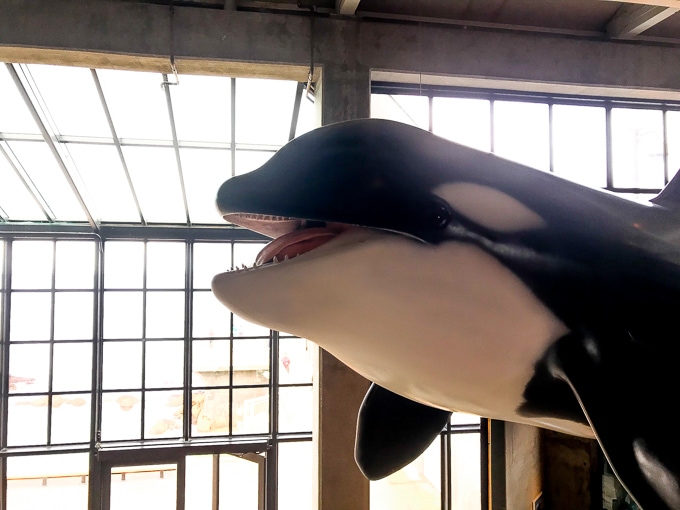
(343, 94)
(523, 466)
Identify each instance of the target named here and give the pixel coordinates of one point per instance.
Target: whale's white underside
(445, 325)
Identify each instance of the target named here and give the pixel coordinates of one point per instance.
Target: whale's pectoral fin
(392, 431)
(629, 395)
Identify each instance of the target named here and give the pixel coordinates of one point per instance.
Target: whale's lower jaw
(414, 318)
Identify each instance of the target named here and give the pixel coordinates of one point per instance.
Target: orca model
(457, 280)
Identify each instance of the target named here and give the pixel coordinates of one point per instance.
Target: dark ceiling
(639, 19)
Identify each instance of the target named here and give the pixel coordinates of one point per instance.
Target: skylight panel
(263, 110)
(39, 163)
(15, 199)
(156, 180)
(15, 116)
(137, 103)
(202, 108)
(71, 98)
(204, 172)
(101, 169)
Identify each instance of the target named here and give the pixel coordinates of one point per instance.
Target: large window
(122, 376)
(628, 147)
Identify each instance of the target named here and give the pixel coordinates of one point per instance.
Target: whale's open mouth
(292, 237)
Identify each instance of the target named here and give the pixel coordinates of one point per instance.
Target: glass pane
(54, 482)
(29, 368)
(251, 411)
(309, 117)
(164, 364)
(417, 485)
(30, 316)
(39, 163)
(247, 161)
(458, 418)
(75, 265)
(121, 416)
(15, 118)
(239, 480)
(27, 421)
(209, 412)
(73, 315)
(165, 314)
(123, 314)
(160, 418)
(296, 361)
(155, 176)
(103, 174)
(580, 144)
(244, 328)
(124, 265)
(465, 471)
(32, 264)
(464, 121)
(210, 259)
(296, 409)
(72, 100)
(296, 476)
(412, 110)
(198, 485)
(521, 133)
(204, 172)
(122, 365)
(15, 199)
(211, 359)
(246, 253)
(138, 487)
(72, 369)
(251, 362)
(165, 265)
(637, 148)
(71, 416)
(137, 104)
(211, 318)
(254, 96)
(202, 108)
(673, 136)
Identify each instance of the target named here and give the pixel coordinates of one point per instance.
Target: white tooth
(243, 266)
(285, 258)
(276, 260)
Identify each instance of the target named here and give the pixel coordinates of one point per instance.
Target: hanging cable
(172, 48)
(311, 86)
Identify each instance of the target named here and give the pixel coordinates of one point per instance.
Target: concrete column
(343, 94)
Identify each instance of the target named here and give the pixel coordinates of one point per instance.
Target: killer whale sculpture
(456, 280)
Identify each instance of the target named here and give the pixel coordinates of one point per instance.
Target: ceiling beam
(660, 3)
(347, 7)
(631, 20)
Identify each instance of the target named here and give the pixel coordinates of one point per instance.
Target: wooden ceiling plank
(631, 20)
(347, 7)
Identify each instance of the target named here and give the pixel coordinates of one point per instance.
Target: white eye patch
(489, 207)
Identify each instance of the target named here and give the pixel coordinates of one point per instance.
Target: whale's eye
(438, 215)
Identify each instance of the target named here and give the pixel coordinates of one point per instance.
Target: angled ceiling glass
(112, 147)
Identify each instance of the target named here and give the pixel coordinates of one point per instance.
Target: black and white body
(457, 280)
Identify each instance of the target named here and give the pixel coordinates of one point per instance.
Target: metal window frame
(94, 446)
